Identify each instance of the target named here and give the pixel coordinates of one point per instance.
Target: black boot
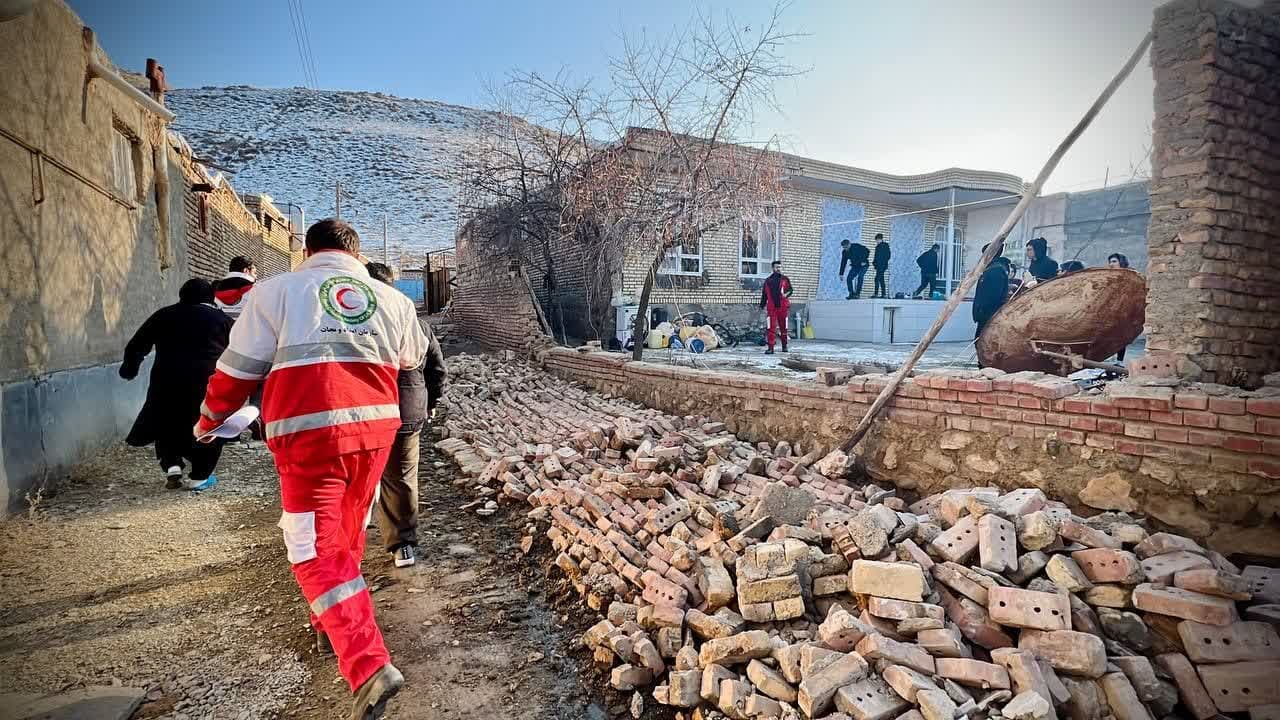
(323, 646)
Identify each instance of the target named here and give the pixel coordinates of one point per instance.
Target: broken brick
(1184, 604)
(1029, 609)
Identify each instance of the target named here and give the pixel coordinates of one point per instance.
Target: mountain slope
(398, 157)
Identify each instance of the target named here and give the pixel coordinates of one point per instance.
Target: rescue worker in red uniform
(330, 342)
(775, 299)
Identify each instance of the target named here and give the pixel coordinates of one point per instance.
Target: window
(123, 171)
(759, 243)
(683, 258)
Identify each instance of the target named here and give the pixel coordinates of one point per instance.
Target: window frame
(951, 264)
(677, 253)
(126, 181)
(769, 216)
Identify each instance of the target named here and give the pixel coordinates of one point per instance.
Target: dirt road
(115, 580)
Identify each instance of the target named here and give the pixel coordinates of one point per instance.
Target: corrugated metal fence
(411, 283)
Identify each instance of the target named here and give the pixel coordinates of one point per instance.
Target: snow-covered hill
(398, 157)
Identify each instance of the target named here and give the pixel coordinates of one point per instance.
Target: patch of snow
(399, 157)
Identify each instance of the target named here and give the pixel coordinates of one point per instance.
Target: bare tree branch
(661, 156)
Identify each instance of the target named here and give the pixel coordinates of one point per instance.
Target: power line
(297, 39)
(918, 212)
(306, 41)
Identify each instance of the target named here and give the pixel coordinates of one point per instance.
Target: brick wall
(575, 290)
(1214, 276)
(220, 225)
(1196, 458)
(492, 302)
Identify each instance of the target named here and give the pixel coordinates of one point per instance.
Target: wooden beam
(996, 245)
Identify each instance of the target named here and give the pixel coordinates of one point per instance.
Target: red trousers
(326, 500)
(778, 324)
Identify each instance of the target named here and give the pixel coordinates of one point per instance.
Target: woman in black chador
(188, 338)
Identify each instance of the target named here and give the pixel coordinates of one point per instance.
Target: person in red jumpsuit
(329, 341)
(775, 299)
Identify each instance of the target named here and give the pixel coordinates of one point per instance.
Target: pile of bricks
(745, 581)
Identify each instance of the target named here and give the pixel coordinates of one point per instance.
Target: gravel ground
(114, 580)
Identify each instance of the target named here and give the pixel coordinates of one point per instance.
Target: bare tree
(514, 196)
(659, 158)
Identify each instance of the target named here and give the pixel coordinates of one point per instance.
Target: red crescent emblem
(338, 298)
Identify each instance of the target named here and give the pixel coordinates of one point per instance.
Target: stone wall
(1214, 281)
(1202, 459)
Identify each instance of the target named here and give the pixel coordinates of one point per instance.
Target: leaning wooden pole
(995, 246)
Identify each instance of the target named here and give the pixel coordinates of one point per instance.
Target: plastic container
(696, 345)
(710, 341)
(658, 339)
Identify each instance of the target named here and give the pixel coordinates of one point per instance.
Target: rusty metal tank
(1092, 314)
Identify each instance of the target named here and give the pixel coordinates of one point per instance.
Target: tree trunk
(553, 292)
(637, 334)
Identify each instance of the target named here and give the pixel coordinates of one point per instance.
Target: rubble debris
(753, 581)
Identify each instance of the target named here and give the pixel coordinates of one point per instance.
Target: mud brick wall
(1196, 459)
(492, 302)
(1214, 281)
(220, 226)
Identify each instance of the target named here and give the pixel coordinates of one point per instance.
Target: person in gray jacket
(420, 389)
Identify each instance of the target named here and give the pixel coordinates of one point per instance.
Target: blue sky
(905, 87)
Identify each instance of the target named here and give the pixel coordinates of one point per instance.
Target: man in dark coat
(855, 256)
(420, 388)
(1039, 264)
(991, 293)
(188, 339)
(928, 264)
(880, 261)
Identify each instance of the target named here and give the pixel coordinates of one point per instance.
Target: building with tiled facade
(591, 292)
(823, 203)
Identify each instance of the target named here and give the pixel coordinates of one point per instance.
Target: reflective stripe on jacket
(330, 341)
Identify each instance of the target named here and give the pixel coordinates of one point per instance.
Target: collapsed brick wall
(1205, 464)
(492, 302)
(220, 226)
(1214, 283)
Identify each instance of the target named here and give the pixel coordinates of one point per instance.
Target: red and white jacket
(229, 292)
(330, 341)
